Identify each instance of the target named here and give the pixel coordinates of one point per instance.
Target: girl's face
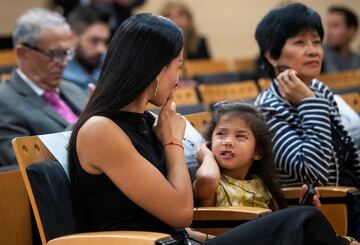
(302, 53)
(233, 146)
(167, 80)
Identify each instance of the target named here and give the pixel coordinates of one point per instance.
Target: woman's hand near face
(170, 125)
(292, 88)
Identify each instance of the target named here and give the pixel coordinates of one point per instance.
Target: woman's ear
(271, 60)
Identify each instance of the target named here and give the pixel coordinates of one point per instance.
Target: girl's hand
(169, 125)
(292, 88)
(316, 198)
(203, 151)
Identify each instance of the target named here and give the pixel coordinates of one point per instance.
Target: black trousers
(295, 226)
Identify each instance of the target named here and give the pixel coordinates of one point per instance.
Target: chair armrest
(228, 213)
(325, 191)
(110, 237)
(217, 220)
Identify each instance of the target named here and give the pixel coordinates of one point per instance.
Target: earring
(157, 87)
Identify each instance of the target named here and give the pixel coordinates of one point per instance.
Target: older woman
(309, 141)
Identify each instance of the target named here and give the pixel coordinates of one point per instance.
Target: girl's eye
(241, 137)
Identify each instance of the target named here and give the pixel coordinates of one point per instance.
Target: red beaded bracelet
(174, 143)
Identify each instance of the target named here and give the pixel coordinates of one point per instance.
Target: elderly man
(35, 100)
(341, 28)
(93, 33)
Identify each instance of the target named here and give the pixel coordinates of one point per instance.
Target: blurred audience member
(35, 100)
(180, 14)
(65, 6)
(92, 33)
(341, 28)
(118, 10)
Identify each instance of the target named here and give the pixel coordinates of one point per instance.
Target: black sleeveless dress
(104, 206)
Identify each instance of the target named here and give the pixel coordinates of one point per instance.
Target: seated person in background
(180, 14)
(309, 140)
(341, 28)
(237, 168)
(117, 10)
(130, 174)
(93, 33)
(36, 100)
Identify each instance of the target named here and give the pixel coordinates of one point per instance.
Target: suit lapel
(36, 101)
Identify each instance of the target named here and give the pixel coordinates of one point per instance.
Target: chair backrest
(216, 78)
(264, 83)
(15, 215)
(342, 82)
(199, 120)
(185, 96)
(205, 66)
(353, 99)
(48, 188)
(333, 204)
(245, 64)
(212, 93)
(7, 57)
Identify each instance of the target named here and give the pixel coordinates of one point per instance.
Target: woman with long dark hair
(128, 171)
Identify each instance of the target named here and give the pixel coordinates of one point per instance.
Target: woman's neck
(138, 105)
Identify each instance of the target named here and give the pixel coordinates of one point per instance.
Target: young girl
(236, 165)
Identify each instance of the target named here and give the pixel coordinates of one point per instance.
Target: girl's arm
(207, 177)
(103, 147)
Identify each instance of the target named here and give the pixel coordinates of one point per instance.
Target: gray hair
(28, 26)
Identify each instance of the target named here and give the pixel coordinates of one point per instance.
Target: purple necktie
(59, 106)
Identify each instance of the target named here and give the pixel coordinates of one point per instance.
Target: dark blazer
(24, 113)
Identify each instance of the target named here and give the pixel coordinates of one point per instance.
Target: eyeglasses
(56, 55)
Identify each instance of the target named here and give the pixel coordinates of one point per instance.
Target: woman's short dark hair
(282, 23)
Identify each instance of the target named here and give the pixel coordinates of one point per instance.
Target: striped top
(301, 135)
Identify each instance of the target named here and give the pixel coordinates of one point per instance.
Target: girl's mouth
(227, 154)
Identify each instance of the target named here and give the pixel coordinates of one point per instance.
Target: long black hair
(264, 168)
(280, 24)
(141, 47)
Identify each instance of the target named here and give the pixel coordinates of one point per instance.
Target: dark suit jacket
(24, 113)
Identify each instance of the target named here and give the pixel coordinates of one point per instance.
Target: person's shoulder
(69, 85)
(7, 92)
(97, 125)
(266, 98)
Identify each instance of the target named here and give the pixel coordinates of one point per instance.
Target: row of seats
(191, 67)
(190, 99)
(44, 182)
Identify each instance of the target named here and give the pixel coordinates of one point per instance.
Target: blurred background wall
(229, 25)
